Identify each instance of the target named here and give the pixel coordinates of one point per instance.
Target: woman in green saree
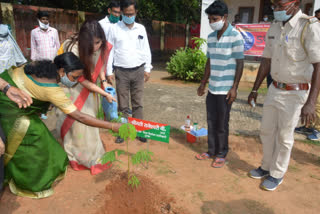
(34, 160)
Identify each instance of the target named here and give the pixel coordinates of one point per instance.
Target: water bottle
(187, 124)
(253, 104)
(110, 109)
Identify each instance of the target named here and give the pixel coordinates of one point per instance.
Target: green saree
(34, 159)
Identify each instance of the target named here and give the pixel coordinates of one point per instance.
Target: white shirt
(130, 47)
(106, 25)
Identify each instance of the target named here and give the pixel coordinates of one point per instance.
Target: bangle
(111, 126)
(5, 89)
(254, 91)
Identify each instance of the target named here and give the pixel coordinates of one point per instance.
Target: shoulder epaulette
(311, 19)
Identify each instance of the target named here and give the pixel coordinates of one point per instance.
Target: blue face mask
(128, 20)
(65, 81)
(281, 16)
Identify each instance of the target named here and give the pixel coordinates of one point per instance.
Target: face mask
(265, 19)
(217, 25)
(65, 81)
(113, 19)
(281, 16)
(128, 20)
(43, 26)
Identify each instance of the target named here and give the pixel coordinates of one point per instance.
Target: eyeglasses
(283, 6)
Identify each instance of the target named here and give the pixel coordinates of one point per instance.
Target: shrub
(188, 64)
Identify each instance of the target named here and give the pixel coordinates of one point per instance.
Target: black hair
(68, 61)
(218, 8)
(42, 69)
(127, 3)
(42, 14)
(48, 69)
(317, 11)
(114, 4)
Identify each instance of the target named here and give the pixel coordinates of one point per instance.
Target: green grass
(176, 131)
(315, 177)
(311, 142)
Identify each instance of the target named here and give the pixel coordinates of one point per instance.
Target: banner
(254, 38)
(151, 130)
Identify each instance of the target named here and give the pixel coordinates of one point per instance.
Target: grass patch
(311, 142)
(293, 168)
(315, 177)
(176, 131)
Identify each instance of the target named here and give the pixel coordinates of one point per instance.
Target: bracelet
(104, 80)
(111, 126)
(5, 89)
(254, 91)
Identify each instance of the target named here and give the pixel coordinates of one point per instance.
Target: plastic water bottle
(110, 109)
(253, 104)
(187, 124)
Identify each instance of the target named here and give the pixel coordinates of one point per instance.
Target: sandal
(203, 156)
(218, 162)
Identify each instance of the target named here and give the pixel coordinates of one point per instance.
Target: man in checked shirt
(44, 39)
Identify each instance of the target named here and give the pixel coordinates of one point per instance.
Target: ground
(195, 187)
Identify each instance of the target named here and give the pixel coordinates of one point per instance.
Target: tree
(180, 11)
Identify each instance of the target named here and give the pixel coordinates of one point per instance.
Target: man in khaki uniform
(292, 56)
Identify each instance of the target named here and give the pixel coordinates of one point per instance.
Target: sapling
(128, 132)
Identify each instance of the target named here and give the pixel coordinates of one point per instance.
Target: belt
(291, 87)
(129, 69)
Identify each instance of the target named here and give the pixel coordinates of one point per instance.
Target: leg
(268, 132)
(289, 115)
(123, 87)
(223, 114)
(211, 120)
(136, 90)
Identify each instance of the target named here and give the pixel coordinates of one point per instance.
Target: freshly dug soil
(146, 199)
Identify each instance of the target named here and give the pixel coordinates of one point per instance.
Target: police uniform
(292, 48)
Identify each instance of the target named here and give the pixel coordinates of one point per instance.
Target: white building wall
(316, 6)
(234, 5)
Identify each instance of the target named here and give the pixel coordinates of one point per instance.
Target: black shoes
(142, 139)
(119, 140)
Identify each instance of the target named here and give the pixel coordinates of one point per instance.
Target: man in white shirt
(130, 59)
(114, 17)
(44, 39)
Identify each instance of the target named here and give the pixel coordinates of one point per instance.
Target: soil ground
(176, 178)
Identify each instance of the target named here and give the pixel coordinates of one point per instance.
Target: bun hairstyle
(42, 69)
(47, 69)
(69, 62)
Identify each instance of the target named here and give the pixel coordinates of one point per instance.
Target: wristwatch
(104, 80)
(5, 89)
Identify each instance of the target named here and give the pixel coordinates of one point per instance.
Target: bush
(188, 64)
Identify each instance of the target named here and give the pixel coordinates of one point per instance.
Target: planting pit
(148, 198)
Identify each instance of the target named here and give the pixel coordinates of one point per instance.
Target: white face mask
(43, 26)
(217, 25)
(265, 19)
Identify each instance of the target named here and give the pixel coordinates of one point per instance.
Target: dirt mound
(147, 198)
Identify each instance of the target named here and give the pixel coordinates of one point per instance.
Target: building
(251, 11)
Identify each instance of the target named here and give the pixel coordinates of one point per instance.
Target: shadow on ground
(235, 207)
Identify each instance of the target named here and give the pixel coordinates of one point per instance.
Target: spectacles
(283, 6)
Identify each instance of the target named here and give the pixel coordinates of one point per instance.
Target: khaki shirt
(289, 61)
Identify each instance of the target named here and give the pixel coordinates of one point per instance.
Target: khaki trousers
(130, 84)
(281, 114)
(316, 125)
